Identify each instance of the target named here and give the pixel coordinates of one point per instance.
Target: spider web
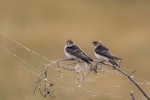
(66, 82)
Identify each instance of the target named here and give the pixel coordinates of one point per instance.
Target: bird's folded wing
(105, 53)
(77, 52)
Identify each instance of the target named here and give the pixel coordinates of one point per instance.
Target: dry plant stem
(69, 64)
(61, 60)
(62, 66)
(132, 96)
(37, 84)
(46, 70)
(77, 61)
(130, 77)
(134, 82)
(67, 59)
(47, 84)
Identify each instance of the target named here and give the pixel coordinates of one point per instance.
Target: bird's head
(69, 43)
(97, 43)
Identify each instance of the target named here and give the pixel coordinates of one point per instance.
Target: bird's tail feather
(117, 58)
(114, 63)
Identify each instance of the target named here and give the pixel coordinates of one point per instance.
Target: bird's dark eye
(94, 42)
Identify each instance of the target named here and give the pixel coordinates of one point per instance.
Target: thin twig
(130, 77)
(66, 59)
(37, 84)
(60, 60)
(132, 96)
(46, 70)
(47, 84)
(68, 64)
(76, 61)
(134, 82)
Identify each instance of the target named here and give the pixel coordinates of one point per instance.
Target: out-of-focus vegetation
(45, 25)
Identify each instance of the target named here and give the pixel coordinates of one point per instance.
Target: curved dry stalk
(47, 84)
(84, 68)
(129, 76)
(84, 73)
(75, 61)
(66, 59)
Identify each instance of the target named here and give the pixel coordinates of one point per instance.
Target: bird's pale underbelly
(100, 57)
(69, 55)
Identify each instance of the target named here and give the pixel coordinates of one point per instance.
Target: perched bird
(103, 54)
(72, 51)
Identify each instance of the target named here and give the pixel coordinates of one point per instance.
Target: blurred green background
(45, 25)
